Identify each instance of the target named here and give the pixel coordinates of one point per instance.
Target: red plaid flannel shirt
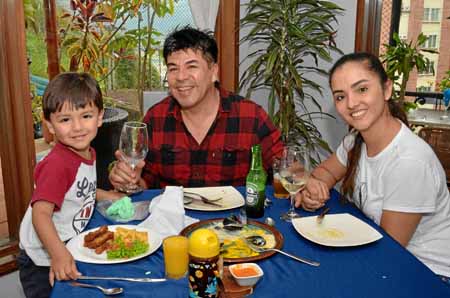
(223, 157)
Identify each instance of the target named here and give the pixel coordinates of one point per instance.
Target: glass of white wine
(295, 168)
(134, 147)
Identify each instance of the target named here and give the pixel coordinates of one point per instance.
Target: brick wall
(414, 29)
(444, 49)
(386, 13)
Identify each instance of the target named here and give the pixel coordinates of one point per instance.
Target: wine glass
(134, 147)
(295, 167)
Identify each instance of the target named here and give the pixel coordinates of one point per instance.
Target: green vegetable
(122, 251)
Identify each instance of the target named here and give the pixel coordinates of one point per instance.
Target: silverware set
(189, 197)
(257, 242)
(111, 291)
(135, 279)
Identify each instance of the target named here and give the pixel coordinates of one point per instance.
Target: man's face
(190, 77)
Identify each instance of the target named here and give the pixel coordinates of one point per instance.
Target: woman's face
(359, 96)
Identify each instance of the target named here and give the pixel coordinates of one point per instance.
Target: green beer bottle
(255, 185)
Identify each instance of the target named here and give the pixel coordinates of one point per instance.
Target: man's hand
(62, 266)
(313, 196)
(122, 175)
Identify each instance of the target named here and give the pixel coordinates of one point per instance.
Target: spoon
(269, 221)
(256, 242)
(106, 291)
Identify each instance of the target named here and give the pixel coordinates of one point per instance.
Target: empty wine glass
(295, 168)
(134, 147)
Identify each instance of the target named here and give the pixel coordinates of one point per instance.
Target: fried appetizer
(92, 235)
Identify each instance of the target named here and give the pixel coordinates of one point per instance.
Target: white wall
(152, 97)
(332, 130)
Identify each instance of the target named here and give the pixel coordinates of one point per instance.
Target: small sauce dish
(246, 274)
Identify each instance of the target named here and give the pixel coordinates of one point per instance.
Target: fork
(302, 260)
(196, 196)
(322, 215)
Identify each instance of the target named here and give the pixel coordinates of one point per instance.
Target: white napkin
(167, 216)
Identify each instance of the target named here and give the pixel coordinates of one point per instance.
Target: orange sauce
(245, 271)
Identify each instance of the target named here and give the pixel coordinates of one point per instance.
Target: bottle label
(251, 194)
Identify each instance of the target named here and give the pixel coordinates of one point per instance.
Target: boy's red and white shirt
(69, 181)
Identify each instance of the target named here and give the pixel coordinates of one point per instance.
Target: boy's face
(76, 128)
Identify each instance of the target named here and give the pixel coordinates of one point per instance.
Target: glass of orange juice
(176, 256)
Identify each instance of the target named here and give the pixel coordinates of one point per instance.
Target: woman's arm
(324, 177)
(400, 225)
(329, 171)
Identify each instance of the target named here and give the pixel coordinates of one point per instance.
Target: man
(200, 135)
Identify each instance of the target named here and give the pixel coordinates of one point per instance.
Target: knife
(136, 279)
(322, 215)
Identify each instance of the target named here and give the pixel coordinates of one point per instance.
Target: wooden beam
(51, 38)
(17, 145)
(368, 25)
(227, 36)
(359, 34)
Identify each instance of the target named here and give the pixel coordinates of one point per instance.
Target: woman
(391, 174)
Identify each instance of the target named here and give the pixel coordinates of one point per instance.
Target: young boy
(65, 184)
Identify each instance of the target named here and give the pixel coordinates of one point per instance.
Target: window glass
(425, 16)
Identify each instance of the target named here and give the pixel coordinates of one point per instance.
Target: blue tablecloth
(379, 269)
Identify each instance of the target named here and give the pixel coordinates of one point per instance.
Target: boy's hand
(121, 175)
(62, 267)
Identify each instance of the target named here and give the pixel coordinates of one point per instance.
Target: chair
(439, 140)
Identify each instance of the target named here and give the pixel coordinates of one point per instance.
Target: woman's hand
(313, 196)
(122, 175)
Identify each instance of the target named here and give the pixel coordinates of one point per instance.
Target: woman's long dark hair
(374, 65)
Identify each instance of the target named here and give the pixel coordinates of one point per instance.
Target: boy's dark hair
(78, 89)
(190, 38)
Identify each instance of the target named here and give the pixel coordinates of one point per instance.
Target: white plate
(338, 230)
(87, 255)
(228, 196)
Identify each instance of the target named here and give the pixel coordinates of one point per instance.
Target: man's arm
(62, 263)
(108, 195)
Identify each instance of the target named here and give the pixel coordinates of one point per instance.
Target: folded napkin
(167, 216)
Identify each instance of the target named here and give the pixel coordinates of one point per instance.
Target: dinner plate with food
(113, 244)
(338, 230)
(232, 235)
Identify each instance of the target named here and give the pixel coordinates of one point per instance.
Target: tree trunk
(52, 50)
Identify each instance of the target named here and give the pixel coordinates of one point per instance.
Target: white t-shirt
(406, 177)
(70, 182)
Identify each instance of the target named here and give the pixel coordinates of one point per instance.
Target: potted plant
(292, 37)
(401, 58)
(36, 111)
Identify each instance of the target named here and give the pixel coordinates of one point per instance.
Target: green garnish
(123, 251)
